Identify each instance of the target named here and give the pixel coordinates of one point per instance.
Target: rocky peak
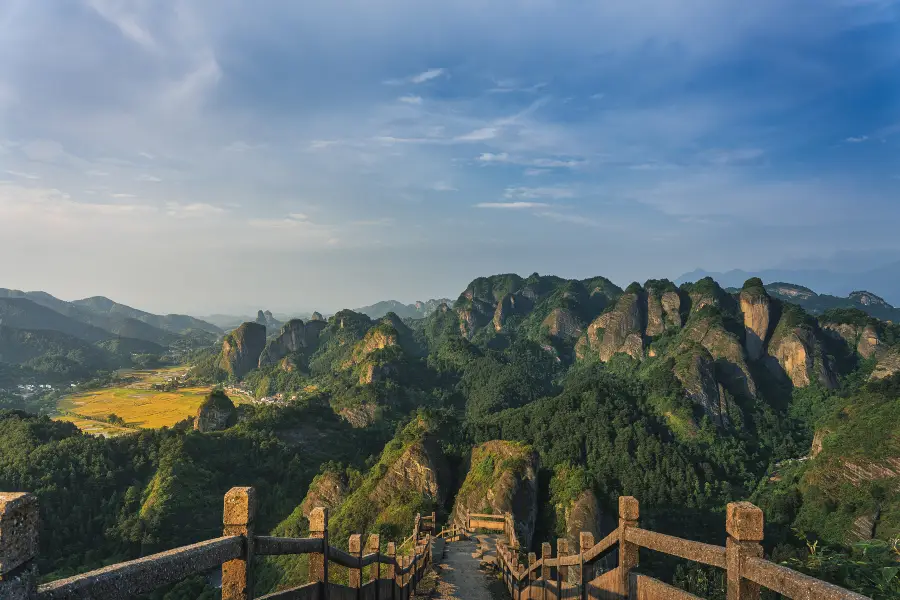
(757, 310)
(316, 316)
(868, 299)
(217, 412)
(663, 306)
(328, 490)
(695, 369)
(294, 337)
(241, 349)
(505, 307)
(797, 350)
(618, 330)
(502, 478)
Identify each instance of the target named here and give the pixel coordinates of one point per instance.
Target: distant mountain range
(416, 310)
(884, 280)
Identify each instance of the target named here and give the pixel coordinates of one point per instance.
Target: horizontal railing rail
(572, 574)
(391, 576)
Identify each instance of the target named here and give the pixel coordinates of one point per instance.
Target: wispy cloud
(24, 175)
(410, 99)
(193, 210)
(857, 139)
(122, 195)
(512, 205)
(148, 178)
(567, 218)
(479, 135)
(242, 146)
(443, 186)
(554, 193)
(738, 155)
(428, 75)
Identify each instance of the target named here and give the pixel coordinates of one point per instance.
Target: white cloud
(512, 205)
(427, 75)
(567, 218)
(410, 99)
(479, 135)
(554, 193)
(117, 13)
(535, 172)
(241, 146)
(149, 178)
(122, 195)
(739, 155)
(491, 157)
(24, 175)
(443, 186)
(856, 140)
(193, 210)
(146, 155)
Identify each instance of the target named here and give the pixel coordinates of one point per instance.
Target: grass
(137, 403)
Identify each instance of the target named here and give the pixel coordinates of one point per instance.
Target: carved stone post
(391, 569)
(546, 554)
(562, 573)
(532, 575)
(238, 516)
(354, 546)
(374, 546)
(744, 525)
(318, 562)
(585, 543)
(629, 513)
(18, 546)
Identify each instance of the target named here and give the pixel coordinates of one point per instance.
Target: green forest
(685, 397)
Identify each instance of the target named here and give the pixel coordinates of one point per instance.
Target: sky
(218, 156)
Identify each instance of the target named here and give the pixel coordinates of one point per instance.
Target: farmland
(137, 403)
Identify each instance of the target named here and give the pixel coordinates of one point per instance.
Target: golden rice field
(137, 403)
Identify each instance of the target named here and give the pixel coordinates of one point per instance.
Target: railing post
(629, 513)
(532, 575)
(562, 573)
(391, 569)
(237, 519)
(546, 553)
(744, 525)
(585, 543)
(354, 546)
(18, 546)
(374, 546)
(318, 562)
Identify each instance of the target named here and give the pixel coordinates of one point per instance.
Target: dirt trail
(460, 571)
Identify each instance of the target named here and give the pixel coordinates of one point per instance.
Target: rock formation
(663, 307)
(619, 330)
(797, 350)
(502, 478)
(505, 307)
(707, 329)
(316, 316)
(217, 412)
(241, 349)
(887, 365)
(756, 308)
(292, 338)
(562, 324)
(328, 489)
(695, 368)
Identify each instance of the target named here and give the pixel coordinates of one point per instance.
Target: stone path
(460, 570)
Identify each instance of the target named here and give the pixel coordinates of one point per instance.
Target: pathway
(462, 576)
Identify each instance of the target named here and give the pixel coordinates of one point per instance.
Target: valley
(150, 399)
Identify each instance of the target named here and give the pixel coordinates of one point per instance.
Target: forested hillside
(557, 394)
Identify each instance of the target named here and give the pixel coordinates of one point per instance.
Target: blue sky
(219, 155)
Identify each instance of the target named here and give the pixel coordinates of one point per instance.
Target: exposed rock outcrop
(473, 315)
(505, 308)
(800, 356)
(562, 324)
(757, 310)
(619, 330)
(316, 316)
(502, 478)
(294, 337)
(241, 349)
(864, 338)
(887, 365)
(725, 348)
(695, 368)
(328, 489)
(663, 306)
(217, 412)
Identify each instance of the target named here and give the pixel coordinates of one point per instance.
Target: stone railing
(234, 551)
(572, 573)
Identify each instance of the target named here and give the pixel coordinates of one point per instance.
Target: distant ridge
(416, 310)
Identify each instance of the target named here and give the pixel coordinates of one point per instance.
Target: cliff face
(757, 310)
(294, 337)
(562, 324)
(725, 349)
(502, 478)
(619, 330)
(663, 307)
(241, 349)
(887, 365)
(473, 315)
(505, 308)
(800, 356)
(328, 489)
(217, 412)
(695, 368)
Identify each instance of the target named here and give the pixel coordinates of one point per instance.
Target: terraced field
(137, 403)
